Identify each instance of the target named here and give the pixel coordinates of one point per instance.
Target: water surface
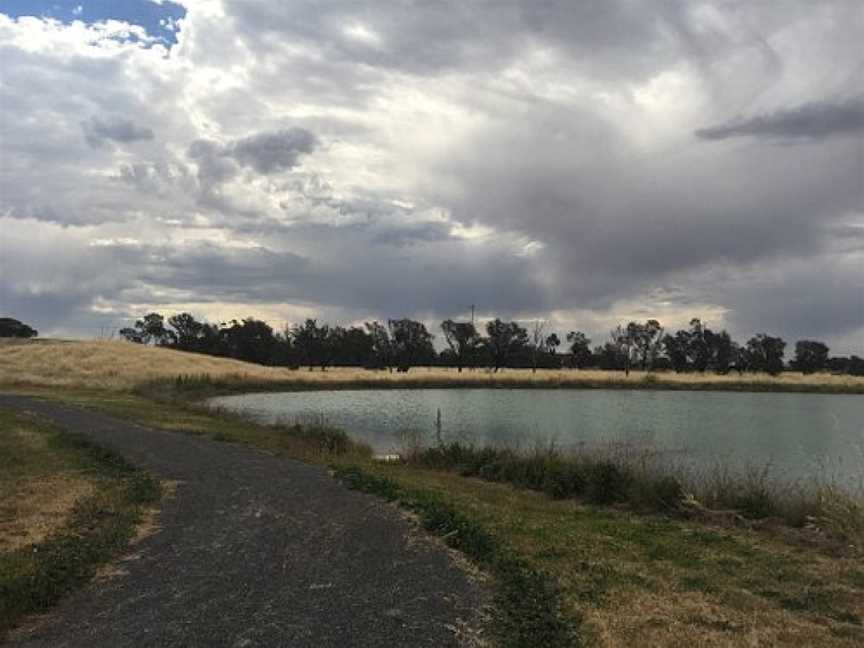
(799, 434)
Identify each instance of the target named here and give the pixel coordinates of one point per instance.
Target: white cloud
(533, 160)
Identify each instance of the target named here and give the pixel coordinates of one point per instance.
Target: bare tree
(538, 342)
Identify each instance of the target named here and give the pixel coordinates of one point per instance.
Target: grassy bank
(66, 507)
(122, 366)
(615, 571)
(639, 479)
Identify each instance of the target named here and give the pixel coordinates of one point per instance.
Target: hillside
(120, 366)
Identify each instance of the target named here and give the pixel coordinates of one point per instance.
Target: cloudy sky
(585, 162)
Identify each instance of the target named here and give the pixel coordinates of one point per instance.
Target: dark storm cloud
(556, 137)
(219, 272)
(806, 304)
(812, 120)
(266, 153)
(98, 131)
(412, 234)
(270, 152)
(447, 35)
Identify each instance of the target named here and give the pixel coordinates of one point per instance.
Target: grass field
(66, 507)
(122, 366)
(613, 574)
(623, 578)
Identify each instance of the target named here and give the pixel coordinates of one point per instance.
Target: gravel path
(256, 551)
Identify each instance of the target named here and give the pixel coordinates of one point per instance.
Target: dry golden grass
(36, 508)
(37, 501)
(120, 366)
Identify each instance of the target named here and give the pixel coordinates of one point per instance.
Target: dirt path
(256, 551)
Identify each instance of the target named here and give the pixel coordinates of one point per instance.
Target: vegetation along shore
(591, 549)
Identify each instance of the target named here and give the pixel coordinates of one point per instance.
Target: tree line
(404, 343)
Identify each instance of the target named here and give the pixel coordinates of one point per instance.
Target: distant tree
(852, 365)
(552, 343)
(646, 340)
(765, 353)
(250, 340)
(723, 352)
(700, 349)
(411, 343)
(314, 343)
(149, 330)
(676, 348)
(698, 345)
(503, 340)
(382, 347)
(192, 335)
(810, 356)
(610, 356)
(537, 342)
(12, 328)
(623, 345)
(463, 340)
(580, 350)
(740, 358)
(354, 348)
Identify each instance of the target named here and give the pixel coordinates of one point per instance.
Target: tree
(646, 340)
(250, 340)
(537, 343)
(623, 344)
(411, 343)
(810, 356)
(314, 343)
(503, 340)
(723, 352)
(610, 356)
(149, 330)
(382, 347)
(700, 349)
(463, 340)
(552, 343)
(192, 335)
(580, 350)
(698, 346)
(765, 353)
(354, 348)
(676, 349)
(12, 328)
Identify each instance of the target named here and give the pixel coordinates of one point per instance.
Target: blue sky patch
(160, 20)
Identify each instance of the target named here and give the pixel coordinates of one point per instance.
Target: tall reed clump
(639, 479)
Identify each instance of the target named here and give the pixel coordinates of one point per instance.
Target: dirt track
(256, 551)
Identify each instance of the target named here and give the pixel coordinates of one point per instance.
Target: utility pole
(472, 314)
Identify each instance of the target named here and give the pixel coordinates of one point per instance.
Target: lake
(797, 433)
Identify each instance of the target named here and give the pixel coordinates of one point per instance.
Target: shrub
(607, 483)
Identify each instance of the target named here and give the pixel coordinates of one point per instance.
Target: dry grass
(121, 366)
(66, 507)
(36, 508)
(39, 492)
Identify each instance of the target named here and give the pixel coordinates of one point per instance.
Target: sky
(585, 163)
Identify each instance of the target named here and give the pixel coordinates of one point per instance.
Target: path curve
(256, 550)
